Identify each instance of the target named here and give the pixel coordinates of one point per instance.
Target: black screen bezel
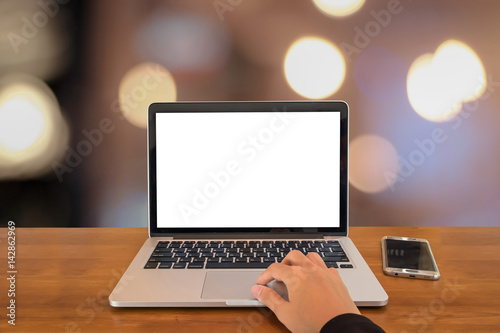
(199, 107)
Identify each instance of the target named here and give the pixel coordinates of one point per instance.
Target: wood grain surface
(66, 274)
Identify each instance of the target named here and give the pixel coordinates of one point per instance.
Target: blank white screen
(255, 169)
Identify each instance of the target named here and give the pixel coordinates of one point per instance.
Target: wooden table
(65, 276)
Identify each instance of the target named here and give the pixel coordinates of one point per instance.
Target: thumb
(269, 298)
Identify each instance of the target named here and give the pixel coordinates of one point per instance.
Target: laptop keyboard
(240, 254)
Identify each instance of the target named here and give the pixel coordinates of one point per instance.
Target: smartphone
(408, 257)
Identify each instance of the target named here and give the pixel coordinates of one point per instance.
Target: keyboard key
(161, 250)
(179, 265)
(162, 259)
(195, 265)
(330, 259)
(336, 249)
(165, 265)
(240, 260)
(164, 255)
(346, 266)
(331, 264)
(270, 260)
(226, 260)
(150, 265)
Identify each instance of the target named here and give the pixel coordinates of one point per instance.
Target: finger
(276, 271)
(269, 298)
(316, 259)
(295, 258)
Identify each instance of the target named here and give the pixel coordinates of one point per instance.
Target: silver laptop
(234, 187)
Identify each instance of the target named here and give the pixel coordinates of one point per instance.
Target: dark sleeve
(351, 323)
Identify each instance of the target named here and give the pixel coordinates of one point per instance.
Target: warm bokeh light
(32, 44)
(22, 124)
(314, 67)
(373, 163)
(142, 85)
(33, 133)
(439, 83)
(339, 7)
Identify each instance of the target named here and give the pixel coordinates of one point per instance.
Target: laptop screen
(248, 170)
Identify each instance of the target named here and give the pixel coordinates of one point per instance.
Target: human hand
(316, 293)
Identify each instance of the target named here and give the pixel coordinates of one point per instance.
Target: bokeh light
(33, 42)
(142, 85)
(314, 67)
(439, 83)
(373, 163)
(33, 133)
(22, 124)
(339, 7)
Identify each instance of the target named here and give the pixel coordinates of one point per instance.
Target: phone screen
(409, 254)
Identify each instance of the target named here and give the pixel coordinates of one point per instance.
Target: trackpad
(229, 285)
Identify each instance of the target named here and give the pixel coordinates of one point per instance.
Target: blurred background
(422, 79)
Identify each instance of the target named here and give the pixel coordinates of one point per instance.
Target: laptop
(235, 186)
